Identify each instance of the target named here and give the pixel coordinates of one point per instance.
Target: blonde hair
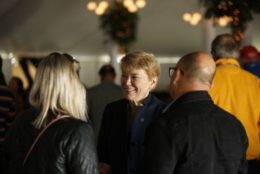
(141, 60)
(57, 89)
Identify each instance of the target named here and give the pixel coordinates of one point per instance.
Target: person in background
(102, 94)
(250, 59)
(59, 107)
(193, 135)
(120, 145)
(21, 99)
(7, 111)
(237, 91)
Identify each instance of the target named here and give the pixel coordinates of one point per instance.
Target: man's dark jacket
(194, 136)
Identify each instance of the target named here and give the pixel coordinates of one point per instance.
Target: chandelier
(101, 6)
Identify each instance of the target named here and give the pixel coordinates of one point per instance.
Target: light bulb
(91, 5)
(197, 16)
(99, 11)
(128, 3)
(186, 17)
(140, 3)
(223, 21)
(132, 9)
(194, 22)
(103, 4)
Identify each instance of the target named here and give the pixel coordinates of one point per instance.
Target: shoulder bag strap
(40, 134)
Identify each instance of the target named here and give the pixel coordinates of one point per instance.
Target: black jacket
(67, 146)
(194, 136)
(119, 148)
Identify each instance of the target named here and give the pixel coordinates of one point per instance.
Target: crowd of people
(210, 126)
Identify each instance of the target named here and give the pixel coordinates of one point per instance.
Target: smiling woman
(140, 73)
(121, 139)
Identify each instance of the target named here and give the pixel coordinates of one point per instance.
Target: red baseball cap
(249, 52)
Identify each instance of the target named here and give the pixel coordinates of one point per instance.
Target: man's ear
(177, 76)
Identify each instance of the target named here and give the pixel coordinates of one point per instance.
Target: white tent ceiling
(41, 26)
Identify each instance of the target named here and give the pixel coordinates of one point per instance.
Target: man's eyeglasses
(171, 70)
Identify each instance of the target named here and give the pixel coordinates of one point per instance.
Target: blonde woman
(59, 108)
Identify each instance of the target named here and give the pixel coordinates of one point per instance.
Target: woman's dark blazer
(114, 141)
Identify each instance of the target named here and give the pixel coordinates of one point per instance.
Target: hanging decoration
(119, 24)
(240, 12)
(118, 19)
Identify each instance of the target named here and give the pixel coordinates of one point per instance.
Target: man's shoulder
(250, 75)
(228, 122)
(212, 114)
(223, 114)
(186, 111)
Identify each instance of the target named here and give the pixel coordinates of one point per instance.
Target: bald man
(193, 135)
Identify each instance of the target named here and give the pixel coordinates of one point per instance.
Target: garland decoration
(120, 24)
(239, 11)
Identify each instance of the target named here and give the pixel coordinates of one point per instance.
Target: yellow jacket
(238, 92)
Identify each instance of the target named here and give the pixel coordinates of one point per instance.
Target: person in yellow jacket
(238, 92)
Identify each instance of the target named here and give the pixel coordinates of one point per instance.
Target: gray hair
(225, 46)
